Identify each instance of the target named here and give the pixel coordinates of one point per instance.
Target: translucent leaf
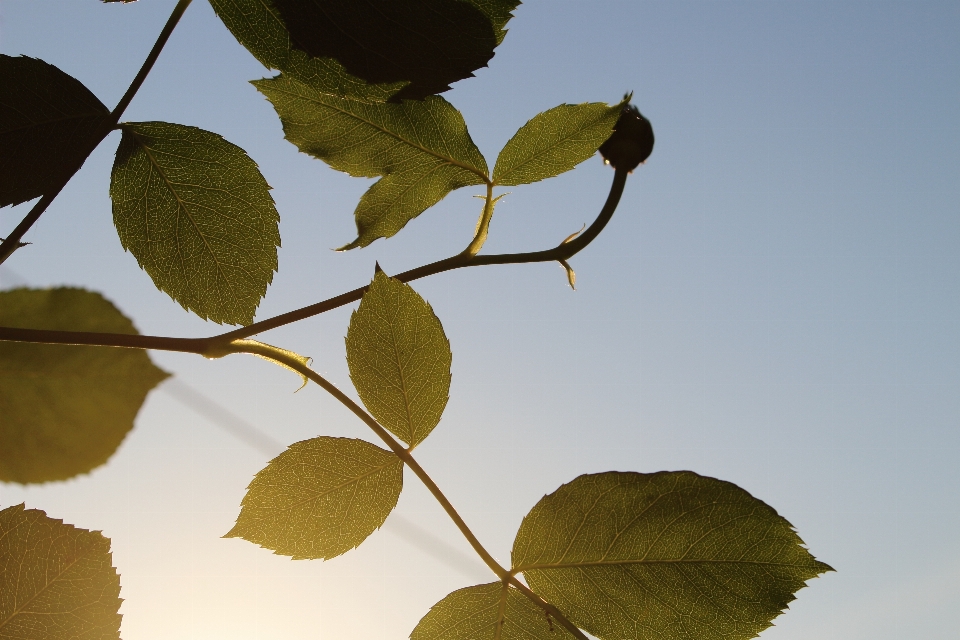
(555, 141)
(399, 359)
(197, 215)
(57, 582)
(475, 613)
(428, 43)
(257, 25)
(66, 409)
(47, 123)
(422, 150)
(320, 498)
(662, 555)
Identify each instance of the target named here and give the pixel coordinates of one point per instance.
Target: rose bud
(631, 142)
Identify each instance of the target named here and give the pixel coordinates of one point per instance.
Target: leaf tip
(823, 567)
(351, 245)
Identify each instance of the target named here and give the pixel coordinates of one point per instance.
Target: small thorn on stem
(574, 235)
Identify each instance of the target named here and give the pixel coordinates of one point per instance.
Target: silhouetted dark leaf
(198, 216)
(65, 409)
(257, 25)
(399, 359)
(487, 612)
(429, 43)
(498, 12)
(57, 582)
(47, 122)
(320, 498)
(630, 556)
(422, 150)
(554, 141)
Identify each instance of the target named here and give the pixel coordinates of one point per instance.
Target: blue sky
(775, 303)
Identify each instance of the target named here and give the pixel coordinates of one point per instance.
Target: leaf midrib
(600, 563)
(353, 480)
(403, 382)
(182, 206)
(501, 612)
(66, 568)
(482, 175)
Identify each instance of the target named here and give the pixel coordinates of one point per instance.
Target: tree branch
(272, 353)
(213, 346)
(563, 251)
(12, 242)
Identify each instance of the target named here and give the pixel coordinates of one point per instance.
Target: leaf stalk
(483, 224)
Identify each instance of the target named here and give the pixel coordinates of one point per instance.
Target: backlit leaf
(399, 359)
(57, 582)
(197, 215)
(498, 12)
(47, 123)
(258, 26)
(320, 498)
(66, 409)
(428, 43)
(475, 613)
(662, 555)
(555, 141)
(422, 150)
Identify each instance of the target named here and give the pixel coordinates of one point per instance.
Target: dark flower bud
(631, 142)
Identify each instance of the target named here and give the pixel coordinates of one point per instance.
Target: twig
(214, 346)
(12, 242)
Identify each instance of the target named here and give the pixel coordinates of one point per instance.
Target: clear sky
(775, 303)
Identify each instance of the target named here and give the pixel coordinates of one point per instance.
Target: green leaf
(258, 26)
(57, 582)
(399, 359)
(320, 498)
(197, 215)
(66, 409)
(422, 150)
(487, 611)
(555, 141)
(498, 12)
(662, 555)
(48, 121)
(428, 43)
